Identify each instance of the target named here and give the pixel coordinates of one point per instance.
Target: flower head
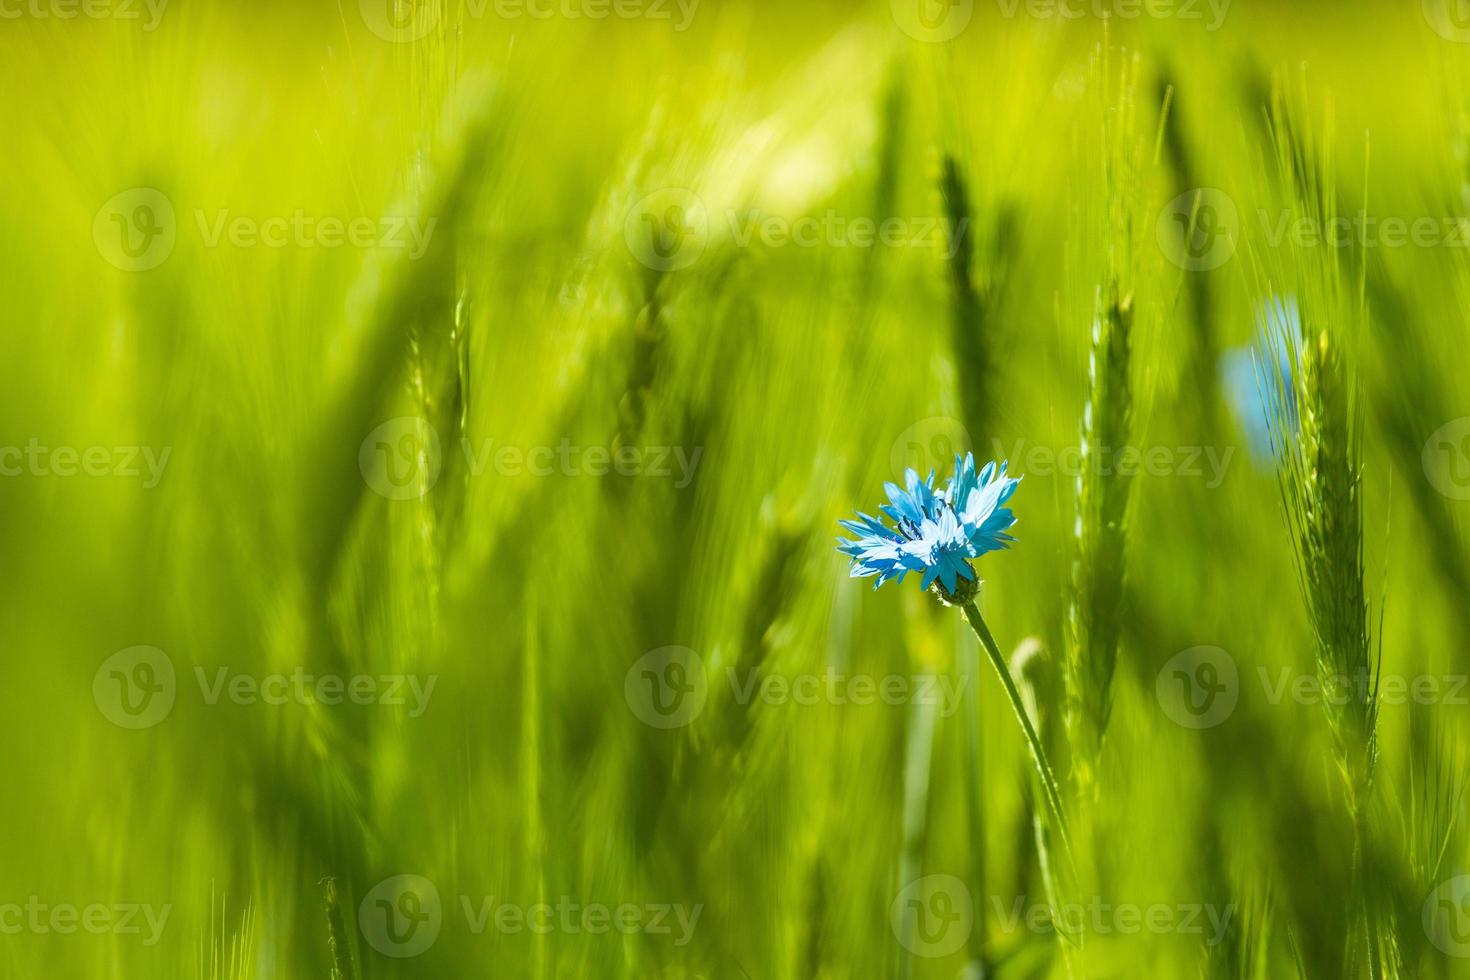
(1257, 380)
(938, 531)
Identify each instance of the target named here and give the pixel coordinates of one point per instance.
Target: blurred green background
(423, 425)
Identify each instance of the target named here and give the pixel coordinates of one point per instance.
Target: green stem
(342, 966)
(1033, 741)
(919, 755)
(1365, 893)
(974, 791)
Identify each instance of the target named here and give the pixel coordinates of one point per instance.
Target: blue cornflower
(938, 531)
(1257, 379)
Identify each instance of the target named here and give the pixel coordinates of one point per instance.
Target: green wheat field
(425, 426)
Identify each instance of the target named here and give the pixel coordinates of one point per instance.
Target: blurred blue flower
(1255, 379)
(938, 531)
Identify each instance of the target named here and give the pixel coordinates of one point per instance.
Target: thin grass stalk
(1029, 663)
(338, 943)
(1409, 403)
(1437, 779)
(1199, 285)
(1316, 424)
(975, 807)
(1098, 570)
(969, 328)
(1033, 740)
(532, 765)
(893, 122)
(966, 306)
(1095, 616)
(920, 741)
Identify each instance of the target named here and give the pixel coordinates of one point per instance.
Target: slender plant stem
(1033, 741)
(1365, 893)
(342, 966)
(918, 757)
(974, 793)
